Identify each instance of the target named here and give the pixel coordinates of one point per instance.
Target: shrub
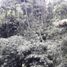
(60, 11)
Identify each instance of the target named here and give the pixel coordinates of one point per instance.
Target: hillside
(33, 34)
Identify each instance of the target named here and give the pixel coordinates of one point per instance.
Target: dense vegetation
(33, 34)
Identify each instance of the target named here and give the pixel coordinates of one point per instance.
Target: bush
(17, 52)
(64, 52)
(60, 11)
(64, 47)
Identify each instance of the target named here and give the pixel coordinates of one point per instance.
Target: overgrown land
(33, 33)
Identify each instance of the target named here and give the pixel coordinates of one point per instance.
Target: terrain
(32, 40)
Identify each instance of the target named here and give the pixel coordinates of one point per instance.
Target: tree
(60, 10)
(49, 12)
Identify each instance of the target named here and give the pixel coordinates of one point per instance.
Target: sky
(0, 2)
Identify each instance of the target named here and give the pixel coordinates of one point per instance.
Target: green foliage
(60, 11)
(11, 12)
(64, 47)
